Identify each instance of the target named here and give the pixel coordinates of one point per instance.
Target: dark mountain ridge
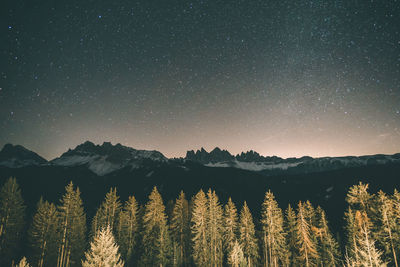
(107, 158)
(15, 156)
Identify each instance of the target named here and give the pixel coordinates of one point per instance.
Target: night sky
(286, 78)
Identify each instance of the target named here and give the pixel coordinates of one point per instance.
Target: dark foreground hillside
(141, 217)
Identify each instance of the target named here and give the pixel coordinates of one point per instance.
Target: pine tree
(291, 237)
(12, 213)
(230, 226)
(180, 231)
(367, 254)
(247, 236)
(199, 229)
(387, 221)
(307, 248)
(309, 213)
(236, 257)
(156, 238)
(351, 235)
(214, 229)
(108, 212)
(23, 263)
(396, 212)
(274, 241)
(359, 198)
(103, 251)
(128, 226)
(42, 234)
(71, 240)
(328, 246)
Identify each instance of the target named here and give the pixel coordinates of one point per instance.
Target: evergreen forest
(197, 230)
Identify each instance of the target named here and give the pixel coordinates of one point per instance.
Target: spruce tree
(214, 229)
(328, 246)
(180, 231)
(103, 251)
(127, 229)
(307, 248)
(12, 213)
(291, 237)
(199, 229)
(71, 240)
(351, 235)
(396, 212)
(367, 253)
(108, 212)
(247, 236)
(387, 226)
(230, 226)
(156, 238)
(274, 241)
(42, 234)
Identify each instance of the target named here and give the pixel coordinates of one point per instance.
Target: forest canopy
(200, 231)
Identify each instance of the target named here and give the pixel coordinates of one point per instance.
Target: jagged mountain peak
(106, 158)
(15, 156)
(204, 157)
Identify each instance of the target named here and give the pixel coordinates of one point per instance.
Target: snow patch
(98, 165)
(254, 166)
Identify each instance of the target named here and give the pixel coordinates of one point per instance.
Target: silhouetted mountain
(204, 157)
(253, 161)
(107, 158)
(252, 156)
(18, 156)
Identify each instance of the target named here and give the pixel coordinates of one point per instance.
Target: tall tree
(387, 225)
(274, 240)
(247, 236)
(396, 212)
(103, 251)
(367, 254)
(180, 231)
(230, 226)
(328, 246)
(128, 226)
(156, 238)
(199, 229)
(351, 235)
(12, 213)
(307, 248)
(42, 234)
(291, 237)
(71, 240)
(108, 212)
(215, 228)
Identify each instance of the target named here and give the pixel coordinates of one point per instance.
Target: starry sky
(286, 78)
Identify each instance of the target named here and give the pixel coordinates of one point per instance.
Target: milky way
(286, 78)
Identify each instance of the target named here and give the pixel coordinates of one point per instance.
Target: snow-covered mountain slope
(253, 161)
(254, 166)
(16, 156)
(106, 158)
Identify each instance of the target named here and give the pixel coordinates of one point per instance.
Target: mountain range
(107, 158)
(243, 177)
